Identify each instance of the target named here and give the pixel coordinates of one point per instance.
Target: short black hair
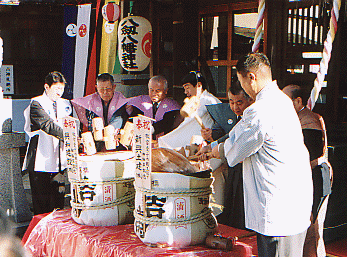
(252, 62)
(236, 89)
(193, 78)
(298, 91)
(105, 77)
(54, 77)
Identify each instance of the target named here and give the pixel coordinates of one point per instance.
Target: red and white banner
(91, 76)
(82, 46)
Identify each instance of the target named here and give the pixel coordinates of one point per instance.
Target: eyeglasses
(105, 89)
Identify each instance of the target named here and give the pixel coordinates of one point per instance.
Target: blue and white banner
(69, 45)
(82, 47)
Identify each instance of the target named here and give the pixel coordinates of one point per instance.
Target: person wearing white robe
(182, 135)
(45, 158)
(194, 83)
(277, 181)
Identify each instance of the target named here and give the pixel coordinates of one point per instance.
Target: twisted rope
(187, 192)
(177, 222)
(324, 63)
(259, 27)
(118, 201)
(112, 181)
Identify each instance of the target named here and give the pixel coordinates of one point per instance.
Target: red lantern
(111, 12)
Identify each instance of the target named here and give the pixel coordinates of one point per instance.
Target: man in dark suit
(226, 115)
(45, 158)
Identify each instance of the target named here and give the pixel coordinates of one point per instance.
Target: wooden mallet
(189, 109)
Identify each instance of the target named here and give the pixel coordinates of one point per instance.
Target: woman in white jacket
(45, 159)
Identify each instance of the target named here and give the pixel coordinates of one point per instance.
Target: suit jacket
(45, 132)
(233, 213)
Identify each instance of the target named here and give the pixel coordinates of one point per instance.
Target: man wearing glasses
(105, 103)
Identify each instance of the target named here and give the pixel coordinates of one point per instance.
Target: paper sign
(142, 147)
(71, 145)
(6, 79)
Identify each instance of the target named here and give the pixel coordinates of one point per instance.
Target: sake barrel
(175, 212)
(102, 191)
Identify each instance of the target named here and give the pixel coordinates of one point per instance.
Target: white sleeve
(245, 139)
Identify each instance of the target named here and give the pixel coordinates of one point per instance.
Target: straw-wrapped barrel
(102, 192)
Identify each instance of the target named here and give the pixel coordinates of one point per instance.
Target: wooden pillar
(335, 102)
(274, 23)
(185, 40)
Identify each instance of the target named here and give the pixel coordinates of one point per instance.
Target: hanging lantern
(134, 43)
(111, 12)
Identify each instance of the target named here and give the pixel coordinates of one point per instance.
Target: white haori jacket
(181, 136)
(277, 177)
(47, 158)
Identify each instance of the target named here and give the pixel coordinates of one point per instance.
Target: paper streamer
(324, 63)
(259, 28)
(82, 47)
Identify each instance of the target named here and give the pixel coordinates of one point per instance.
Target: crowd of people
(266, 150)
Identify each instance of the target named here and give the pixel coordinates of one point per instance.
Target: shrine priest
(189, 131)
(194, 84)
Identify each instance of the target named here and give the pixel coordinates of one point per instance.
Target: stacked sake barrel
(102, 190)
(175, 211)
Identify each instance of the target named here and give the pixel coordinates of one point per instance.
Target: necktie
(56, 115)
(155, 108)
(238, 118)
(55, 108)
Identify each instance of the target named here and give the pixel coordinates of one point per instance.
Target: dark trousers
(45, 192)
(282, 246)
(233, 213)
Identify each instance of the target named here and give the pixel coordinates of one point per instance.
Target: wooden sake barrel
(102, 191)
(175, 212)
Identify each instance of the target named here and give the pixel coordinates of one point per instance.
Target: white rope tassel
(259, 28)
(324, 63)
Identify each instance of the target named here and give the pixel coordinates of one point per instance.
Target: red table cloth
(57, 234)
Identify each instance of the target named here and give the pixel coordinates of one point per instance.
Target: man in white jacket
(45, 159)
(277, 177)
(194, 84)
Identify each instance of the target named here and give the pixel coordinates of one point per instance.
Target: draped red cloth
(57, 234)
